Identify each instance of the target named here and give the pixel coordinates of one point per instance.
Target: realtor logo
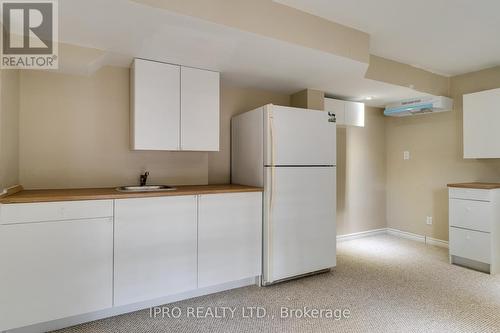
(30, 31)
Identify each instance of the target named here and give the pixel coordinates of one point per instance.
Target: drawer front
(470, 214)
(469, 244)
(55, 211)
(469, 194)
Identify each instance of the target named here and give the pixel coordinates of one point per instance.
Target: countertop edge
(36, 196)
(478, 186)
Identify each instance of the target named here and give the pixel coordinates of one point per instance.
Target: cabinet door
(355, 114)
(53, 270)
(229, 231)
(155, 247)
(481, 117)
(199, 109)
(338, 107)
(155, 105)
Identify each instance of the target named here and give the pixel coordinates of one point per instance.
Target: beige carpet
(388, 285)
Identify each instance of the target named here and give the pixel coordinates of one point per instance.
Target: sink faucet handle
(144, 178)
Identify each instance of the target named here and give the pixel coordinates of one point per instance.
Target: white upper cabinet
(355, 114)
(199, 109)
(155, 105)
(336, 106)
(173, 107)
(481, 119)
(347, 113)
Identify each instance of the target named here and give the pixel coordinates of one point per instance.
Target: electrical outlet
(429, 220)
(406, 155)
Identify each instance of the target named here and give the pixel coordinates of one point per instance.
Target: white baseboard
(361, 234)
(406, 234)
(436, 242)
(394, 232)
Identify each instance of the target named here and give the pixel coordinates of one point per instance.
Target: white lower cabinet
(56, 269)
(474, 228)
(64, 259)
(155, 248)
(229, 237)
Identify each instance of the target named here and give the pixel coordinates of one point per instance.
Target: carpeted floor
(387, 284)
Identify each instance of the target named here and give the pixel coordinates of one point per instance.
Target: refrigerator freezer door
(299, 137)
(299, 221)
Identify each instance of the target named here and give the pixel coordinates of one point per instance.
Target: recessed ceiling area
(447, 37)
(125, 29)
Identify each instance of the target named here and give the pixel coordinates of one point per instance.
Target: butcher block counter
(476, 185)
(31, 196)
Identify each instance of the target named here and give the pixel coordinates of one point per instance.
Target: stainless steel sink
(146, 188)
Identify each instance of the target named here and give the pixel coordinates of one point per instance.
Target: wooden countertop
(30, 196)
(477, 185)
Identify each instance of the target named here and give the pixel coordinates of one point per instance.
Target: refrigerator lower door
(299, 221)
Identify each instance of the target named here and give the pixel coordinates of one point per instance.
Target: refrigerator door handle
(271, 138)
(273, 166)
(271, 200)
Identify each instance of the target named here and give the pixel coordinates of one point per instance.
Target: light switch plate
(406, 155)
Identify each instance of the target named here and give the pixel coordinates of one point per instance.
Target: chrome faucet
(144, 178)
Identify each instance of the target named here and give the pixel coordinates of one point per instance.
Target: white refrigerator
(291, 152)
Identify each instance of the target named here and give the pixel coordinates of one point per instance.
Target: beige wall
(361, 175)
(308, 99)
(417, 188)
(235, 100)
(74, 132)
(9, 128)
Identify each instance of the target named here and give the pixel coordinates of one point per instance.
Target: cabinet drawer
(470, 214)
(469, 244)
(469, 194)
(55, 211)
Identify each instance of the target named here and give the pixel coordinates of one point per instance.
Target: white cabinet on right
(475, 227)
(229, 237)
(347, 113)
(481, 117)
